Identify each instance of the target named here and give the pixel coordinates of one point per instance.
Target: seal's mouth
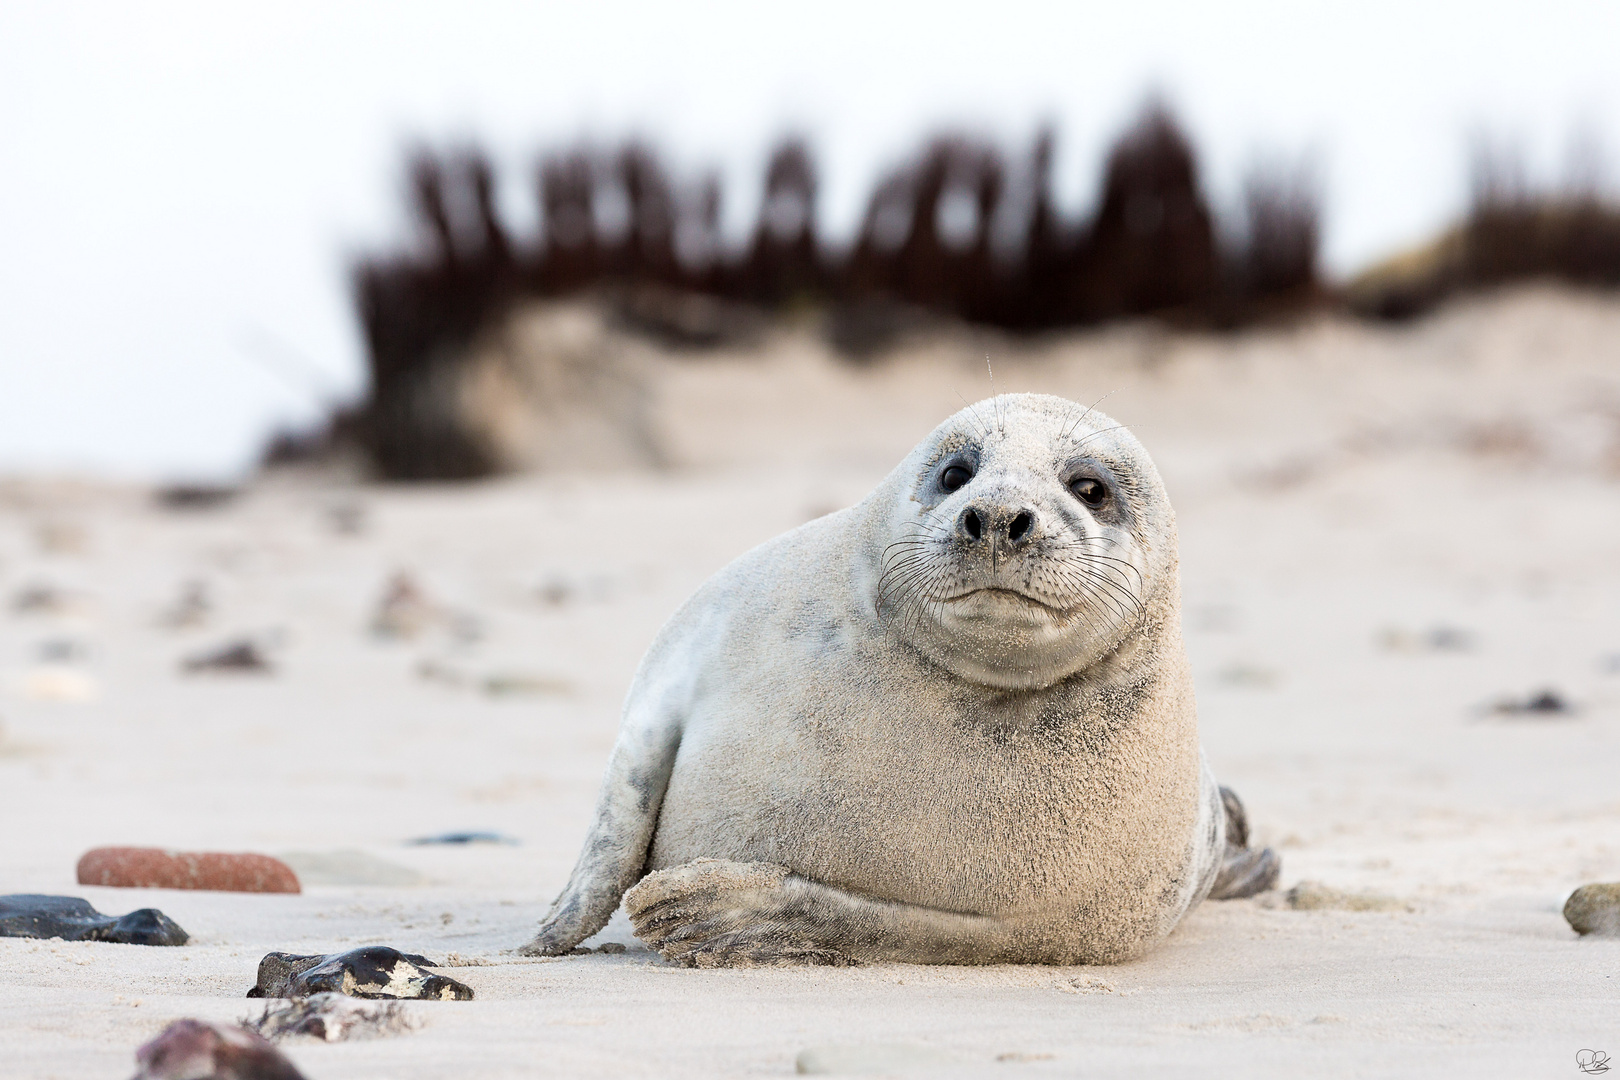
(997, 596)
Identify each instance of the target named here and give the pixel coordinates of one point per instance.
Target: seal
(954, 723)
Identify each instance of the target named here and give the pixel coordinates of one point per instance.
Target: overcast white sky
(182, 184)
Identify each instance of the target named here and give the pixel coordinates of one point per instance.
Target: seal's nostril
(970, 522)
(1019, 525)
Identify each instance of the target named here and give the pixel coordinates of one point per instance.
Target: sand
(1385, 532)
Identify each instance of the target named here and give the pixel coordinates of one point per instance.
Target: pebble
(347, 518)
(71, 919)
(1595, 909)
(195, 496)
(884, 1058)
(242, 657)
(505, 684)
(56, 682)
(1315, 896)
(463, 838)
(199, 1050)
(1547, 702)
(155, 868)
(375, 971)
(334, 1018)
(191, 609)
(40, 600)
(404, 612)
(1438, 639)
(612, 948)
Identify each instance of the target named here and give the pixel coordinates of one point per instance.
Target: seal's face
(1033, 538)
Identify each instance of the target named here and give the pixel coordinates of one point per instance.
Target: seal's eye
(954, 477)
(1091, 492)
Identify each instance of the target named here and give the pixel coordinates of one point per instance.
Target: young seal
(951, 724)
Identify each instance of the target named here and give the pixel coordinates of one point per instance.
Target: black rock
(375, 971)
(71, 919)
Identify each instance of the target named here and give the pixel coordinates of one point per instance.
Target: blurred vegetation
(1513, 231)
(957, 232)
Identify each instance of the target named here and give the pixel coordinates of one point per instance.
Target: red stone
(155, 868)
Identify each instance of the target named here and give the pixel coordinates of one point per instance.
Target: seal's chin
(1003, 638)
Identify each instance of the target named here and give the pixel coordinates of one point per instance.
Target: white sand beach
(1386, 533)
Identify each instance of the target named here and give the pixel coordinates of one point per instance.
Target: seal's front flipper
(1245, 871)
(615, 850)
(713, 913)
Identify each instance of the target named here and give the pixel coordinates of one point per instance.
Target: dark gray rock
(236, 656)
(199, 1050)
(375, 971)
(71, 919)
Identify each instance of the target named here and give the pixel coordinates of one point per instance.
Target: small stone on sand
(243, 657)
(463, 838)
(199, 1050)
(404, 611)
(38, 600)
(192, 608)
(1595, 909)
(1315, 896)
(1542, 703)
(504, 684)
(870, 1058)
(156, 868)
(195, 496)
(333, 1018)
(58, 682)
(71, 919)
(375, 971)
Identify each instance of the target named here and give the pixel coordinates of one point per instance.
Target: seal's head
(1030, 539)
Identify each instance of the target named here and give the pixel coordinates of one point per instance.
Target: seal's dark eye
(1091, 492)
(954, 477)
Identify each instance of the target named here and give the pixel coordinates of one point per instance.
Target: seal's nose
(1005, 527)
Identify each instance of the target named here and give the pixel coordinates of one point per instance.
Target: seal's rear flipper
(1244, 871)
(715, 913)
